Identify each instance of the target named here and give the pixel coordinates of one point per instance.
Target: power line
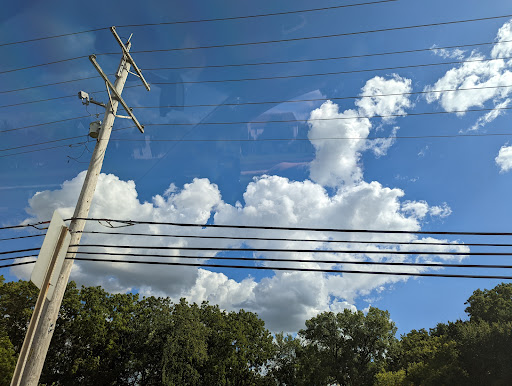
(337, 262)
(48, 84)
(38, 101)
(60, 139)
(290, 250)
(326, 98)
(16, 257)
(329, 58)
(52, 37)
(330, 119)
(16, 264)
(327, 73)
(198, 21)
(25, 225)
(273, 77)
(43, 143)
(276, 62)
(327, 36)
(298, 240)
(21, 237)
(46, 148)
(284, 139)
(296, 269)
(257, 16)
(334, 230)
(267, 102)
(61, 97)
(264, 140)
(19, 250)
(53, 141)
(315, 139)
(45, 123)
(43, 64)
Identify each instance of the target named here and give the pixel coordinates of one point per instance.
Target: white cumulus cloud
(490, 79)
(283, 299)
(504, 159)
(338, 161)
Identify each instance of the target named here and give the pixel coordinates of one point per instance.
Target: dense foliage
(122, 339)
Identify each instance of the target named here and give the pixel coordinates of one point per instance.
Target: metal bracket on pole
(129, 57)
(92, 58)
(98, 103)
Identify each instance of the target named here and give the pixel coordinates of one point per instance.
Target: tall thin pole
(48, 320)
(38, 310)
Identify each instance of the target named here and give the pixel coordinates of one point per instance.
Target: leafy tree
(390, 378)
(430, 360)
(186, 349)
(17, 300)
(351, 346)
(208, 346)
(285, 364)
(493, 305)
(485, 352)
(7, 359)
(152, 321)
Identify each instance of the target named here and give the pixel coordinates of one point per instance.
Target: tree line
(124, 339)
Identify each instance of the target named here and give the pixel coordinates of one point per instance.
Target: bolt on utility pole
(43, 335)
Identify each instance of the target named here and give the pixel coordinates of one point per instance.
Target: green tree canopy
(494, 305)
(351, 346)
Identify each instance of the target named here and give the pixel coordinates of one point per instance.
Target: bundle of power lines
(163, 255)
(7, 152)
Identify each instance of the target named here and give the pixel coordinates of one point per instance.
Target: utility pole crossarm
(117, 96)
(129, 57)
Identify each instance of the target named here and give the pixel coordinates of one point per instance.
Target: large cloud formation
(489, 78)
(487, 81)
(336, 196)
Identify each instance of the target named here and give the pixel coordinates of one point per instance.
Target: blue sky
(427, 183)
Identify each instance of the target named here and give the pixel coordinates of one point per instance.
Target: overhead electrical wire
(38, 101)
(325, 36)
(16, 264)
(257, 16)
(294, 239)
(315, 139)
(330, 119)
(275, 139)
(198, 21)
(326, 98)
(60, 97)
(33, 225)
(43, 64)
(329, 58)
(45, 123)
(49, 84)
(264, 227)
(295, 269)
(276, 62)
(265, 140)
(274, 259)
(271, 77)
(324, 73)
(21, 237)
(280, 101)
(16, 257)
(291, 250)
(44, 143)
(46, 148)
(19, 250)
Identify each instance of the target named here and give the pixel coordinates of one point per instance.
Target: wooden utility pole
(44, 332)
